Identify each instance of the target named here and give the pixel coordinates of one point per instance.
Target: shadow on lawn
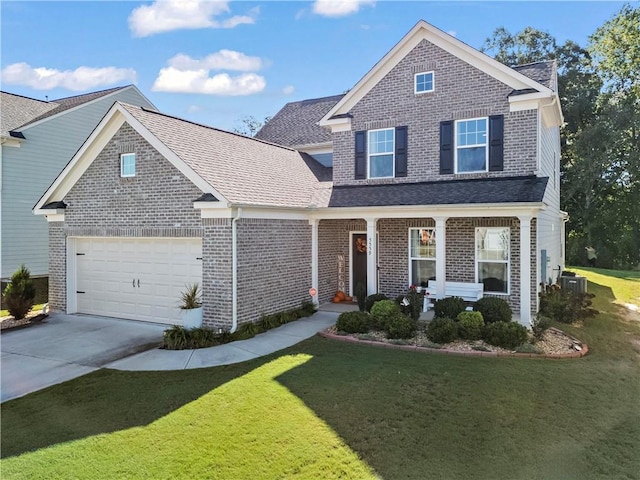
(103, 402)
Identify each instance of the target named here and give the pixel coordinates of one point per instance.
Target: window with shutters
(381, 149)
(471, 152)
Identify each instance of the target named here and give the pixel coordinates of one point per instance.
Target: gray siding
(461, 91)
(29, 170)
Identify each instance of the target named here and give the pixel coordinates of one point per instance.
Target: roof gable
(17, 110)
(235, 169)
(424, 31)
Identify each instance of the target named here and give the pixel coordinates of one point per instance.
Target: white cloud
(194, 108)
(288, 90)
(198, 81)
(167, 15)
(221, 60)
(339, 8)
(82, 78)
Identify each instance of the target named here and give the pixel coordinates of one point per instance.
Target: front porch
(422, 247)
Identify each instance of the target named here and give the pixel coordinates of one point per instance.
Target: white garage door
(136, 278)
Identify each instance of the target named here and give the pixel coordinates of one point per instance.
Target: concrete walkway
(263, 344)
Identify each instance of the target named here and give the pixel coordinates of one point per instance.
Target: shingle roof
(295, 123)
(450, 192)
(17, 110)
(542, 72)
(244, 170)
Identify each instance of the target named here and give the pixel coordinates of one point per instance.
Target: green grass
(324, 409)
(624, 285)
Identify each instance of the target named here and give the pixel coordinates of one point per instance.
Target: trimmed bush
(382, 311)
(19, 295)
(470, 325)
(442, 330)
(493, 309)
(400, 326)
(448, 307)
(505, 334)
(353, 322)
(411, 303)
(372, 299)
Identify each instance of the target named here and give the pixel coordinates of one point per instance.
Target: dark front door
(359, 261)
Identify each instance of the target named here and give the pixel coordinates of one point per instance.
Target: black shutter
(361, 154)
(496, 143)
(401, 151)
(446, 147)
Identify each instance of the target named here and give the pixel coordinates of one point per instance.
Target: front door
(358, 261)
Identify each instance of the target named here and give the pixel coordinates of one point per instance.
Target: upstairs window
(128, 165)
(472, 154)
(381, 150)
(424, 82)
(381, 153)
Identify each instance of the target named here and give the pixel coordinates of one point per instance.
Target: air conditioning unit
(573, 284)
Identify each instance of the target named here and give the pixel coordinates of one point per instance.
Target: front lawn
(325, 409)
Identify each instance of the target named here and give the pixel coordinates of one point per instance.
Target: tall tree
(250, 125)
(527, 46)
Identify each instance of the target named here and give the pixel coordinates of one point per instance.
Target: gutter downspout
(234, 270)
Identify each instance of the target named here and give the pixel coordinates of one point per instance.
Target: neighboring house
(38, 139)
(446, 158)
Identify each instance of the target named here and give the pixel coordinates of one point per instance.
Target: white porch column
(372, 256)
(525, 269)
(314, 259)
(441, 260)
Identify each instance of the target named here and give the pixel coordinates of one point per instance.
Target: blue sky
(217, 62)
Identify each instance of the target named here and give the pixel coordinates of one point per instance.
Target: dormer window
(424, 82)
(128, 165)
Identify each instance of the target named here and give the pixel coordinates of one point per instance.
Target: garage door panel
(110, 269)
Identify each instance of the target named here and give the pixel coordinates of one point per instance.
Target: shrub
(361, 296)
(353, 322)
(470, 325)
(540, 325)
(246, 331)
(505, 334)
(181, 338)
(411, 303)
(442, 330)
(493, 309)
(270, 321)
(202, 337)
(175, 338)
(20, 294)
(372, 299)
(307, 309)
(565, 307)
(400, 326)
(448, 307)
(191, 297)
(527, 348)
(382, 311)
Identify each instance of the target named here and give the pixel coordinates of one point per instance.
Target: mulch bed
(32, 318)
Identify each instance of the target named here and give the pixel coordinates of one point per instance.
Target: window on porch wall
(492, 258)
(422, 256)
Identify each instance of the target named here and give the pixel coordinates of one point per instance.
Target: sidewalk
(235, 352)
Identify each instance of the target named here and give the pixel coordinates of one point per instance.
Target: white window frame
(486, 145)
(415, 83)
(392, 153)
(122, 157)
(507, 262)
(411, 259)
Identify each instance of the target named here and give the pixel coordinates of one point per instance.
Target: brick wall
(57, 267)
(217, 294)
(461, 91)
(274, 266)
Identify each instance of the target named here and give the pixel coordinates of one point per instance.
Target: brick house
(440, 165)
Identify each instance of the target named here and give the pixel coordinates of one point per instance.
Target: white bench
(469, 292)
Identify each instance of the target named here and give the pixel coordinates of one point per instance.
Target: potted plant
(191, 306)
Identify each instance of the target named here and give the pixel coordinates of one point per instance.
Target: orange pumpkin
(336, 299)
(340, 295)
(348, 299)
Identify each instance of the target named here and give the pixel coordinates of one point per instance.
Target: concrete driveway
(67, 346)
